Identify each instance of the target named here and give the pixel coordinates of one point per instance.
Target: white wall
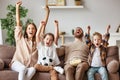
(96, 13)
(1, 41)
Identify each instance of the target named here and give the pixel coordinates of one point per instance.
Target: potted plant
(8, 24)
(77, 2)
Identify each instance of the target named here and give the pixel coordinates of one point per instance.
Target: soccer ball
(47, 61)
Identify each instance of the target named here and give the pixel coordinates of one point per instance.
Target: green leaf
(11, 8)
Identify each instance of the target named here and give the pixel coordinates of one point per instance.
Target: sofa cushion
(8, 74)
(113, 66)
(1, 64)
(46, 76)
(6, 53)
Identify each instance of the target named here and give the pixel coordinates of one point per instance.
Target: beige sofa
(7, 52)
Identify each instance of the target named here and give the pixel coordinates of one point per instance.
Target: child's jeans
(101, 70)
(24, 72)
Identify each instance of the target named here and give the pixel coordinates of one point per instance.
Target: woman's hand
(18, 13)
(18, 3)
(43, 23)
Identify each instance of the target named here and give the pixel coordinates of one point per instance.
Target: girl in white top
(47, 48)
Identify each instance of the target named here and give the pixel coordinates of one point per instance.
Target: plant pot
(77, 3)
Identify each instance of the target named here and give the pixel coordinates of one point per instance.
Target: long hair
(25, 34)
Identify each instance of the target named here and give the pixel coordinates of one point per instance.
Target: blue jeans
(101, 70)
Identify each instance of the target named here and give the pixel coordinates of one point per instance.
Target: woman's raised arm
(17, 13)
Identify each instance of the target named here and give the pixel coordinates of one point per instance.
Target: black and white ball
(47, 61)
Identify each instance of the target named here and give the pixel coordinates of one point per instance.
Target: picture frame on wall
(55, 2)
(51, 2)
(60, 2)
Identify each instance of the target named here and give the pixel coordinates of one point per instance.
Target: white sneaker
(59, 69)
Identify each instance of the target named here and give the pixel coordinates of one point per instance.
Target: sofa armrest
(112, 54)
(113, 66)
(112, 60)
(6, 54)
(1, 64)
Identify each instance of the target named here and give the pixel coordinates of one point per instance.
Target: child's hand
(88, 28)
(18, 3)
(108, 28)
(106, 35)
(56, 21)
(43, 23)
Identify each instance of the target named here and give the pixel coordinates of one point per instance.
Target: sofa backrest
(60, 52)
(6, 54)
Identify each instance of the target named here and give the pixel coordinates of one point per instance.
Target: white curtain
(1, 41)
